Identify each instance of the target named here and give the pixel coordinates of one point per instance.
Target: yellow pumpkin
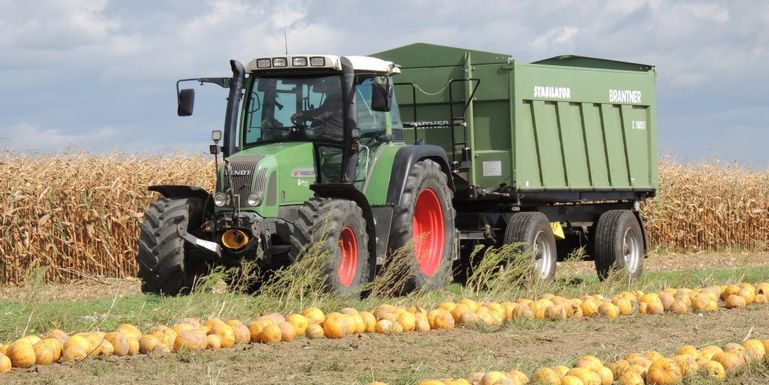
(315, 331)
(443, 320)
(287, 331)
(631, 378)
(518, 376)
(119, 343)
(407, 321)
(755, 349)
(190, 340)
(314, 315)
(608, 310)
(129, 330)
(735, 301)
(300, 323)
(105, 348)
(546, 376)
(76, 348)
(589, 362)
(732, 362)
(688, 350)
(255, 329)
(571, 380)
(221, 329)
(492, 378)
(422, 324)
(58, 334)
(619, 367)
(624, 305)
(370, 321)
(679, 307)
(384, 326)
(164, 334)
(5, 363)
(687, 363)
(713, 369)
(709, 351)
(213, 342)
(589, 307)
(21, 353)
(270, 334)
(47, 351)
(149, 343)
(242, 334)
(556, 312)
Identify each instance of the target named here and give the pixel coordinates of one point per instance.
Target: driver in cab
(328, 118)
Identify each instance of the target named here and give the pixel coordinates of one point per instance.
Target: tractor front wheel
(335, 229)
(166, 267)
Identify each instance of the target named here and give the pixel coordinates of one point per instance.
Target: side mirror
(381, 96)
(186, 102)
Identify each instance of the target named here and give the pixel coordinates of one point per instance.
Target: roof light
(279, 62)
(263, 63)
(299, 62)
(317, 61)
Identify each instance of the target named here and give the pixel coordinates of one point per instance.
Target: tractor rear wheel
(618, 244)
(533, 231)
(166, 266)
(424, 219)
(336, 228)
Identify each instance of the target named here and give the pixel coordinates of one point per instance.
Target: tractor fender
(405, 158)
(185, 191)
(349, 192)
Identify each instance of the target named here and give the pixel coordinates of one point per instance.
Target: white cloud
(26, 136)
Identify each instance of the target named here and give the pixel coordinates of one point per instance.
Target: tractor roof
(296, 62)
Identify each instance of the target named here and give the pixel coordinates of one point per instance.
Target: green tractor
(313, 154)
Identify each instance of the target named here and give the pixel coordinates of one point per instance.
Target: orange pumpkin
(735, 301)
(150, 343)
(130, 331)
(713, 369)
(315, 331)
(47, 351)
(76, 348)
(5, 363)
(334, 327)
(370, 321)
(119, 343)
(571, 380)
(518, 377)
(241, 332)
(732, 362)
(164, 334)
(624, 305)
(755, 350)
(270, 334)
(609, 310)
(631, 378)
(491, 378)
(190, 340)
(21, 353)
(687, 363)
(287, 331)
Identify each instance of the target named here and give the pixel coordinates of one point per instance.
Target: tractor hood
(278, 174)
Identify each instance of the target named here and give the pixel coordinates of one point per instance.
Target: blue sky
(99, 75)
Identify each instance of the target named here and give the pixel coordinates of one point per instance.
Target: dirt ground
(401, 359)
(97, 287)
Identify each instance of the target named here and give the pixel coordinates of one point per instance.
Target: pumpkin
(561, 370)
(5, 363)
(688, 350)
(275, 318)
(556, 312)
(431, 382)
(334, 327)
(76, 348)
(190, 321)
(33, 339)
(619, 367)
(149, 343)
(213, 342)
(287, 331)
(384, 326)
(190, 340)
(709, 351)
(735, 301)
(370, 321)
(546, 376)
(456, 381)
(589, 362)
(164, 334)
(589, 307)
(315, 331)
(587, 376)
(221, 329)
(360, 325)
(518, 376)
(571, 380)
(129, 330)
(523, 311)
(314, 315)
(754, 349)
(631, 378)
(58, 334)
(119, 343)
(47, 351)
(105, 348)
(679, 307)
(730, 361)
(300, 323)
(422, 324)
(443, 320)
(713, 369)
(624, 305)
(270, 334)
(460, 309)
(607, 376)
(609, 310)
(651, 308)
(687, 363)
(242, 334)
(491, 378)
(21, 353)
(449, 306)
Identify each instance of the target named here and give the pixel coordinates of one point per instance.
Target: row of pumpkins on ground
(650, 368)
(192, 335)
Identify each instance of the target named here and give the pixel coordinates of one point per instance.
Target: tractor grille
(243, 177)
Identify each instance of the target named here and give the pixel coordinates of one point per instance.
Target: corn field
(79, 214)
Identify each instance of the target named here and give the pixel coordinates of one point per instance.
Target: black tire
(435, 271)
(532, 230)
(618, 244)
(330, 222)
(164, 268)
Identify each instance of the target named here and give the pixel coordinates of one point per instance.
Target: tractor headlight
(254, 199)
(220, 199)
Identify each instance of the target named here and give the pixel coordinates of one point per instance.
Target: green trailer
(316, 154)
(572, 138)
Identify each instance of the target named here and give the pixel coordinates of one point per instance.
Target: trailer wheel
(532, 230)
(166, 265)
(424, 219)
(618, 244)
(335, 227)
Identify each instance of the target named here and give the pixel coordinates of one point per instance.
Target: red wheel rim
(428, 229)
(348, 265)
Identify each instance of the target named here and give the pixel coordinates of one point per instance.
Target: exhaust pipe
(234, 239)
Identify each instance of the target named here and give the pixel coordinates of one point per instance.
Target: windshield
(301, 108)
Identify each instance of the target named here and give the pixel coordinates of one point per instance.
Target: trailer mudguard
(405, 158)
